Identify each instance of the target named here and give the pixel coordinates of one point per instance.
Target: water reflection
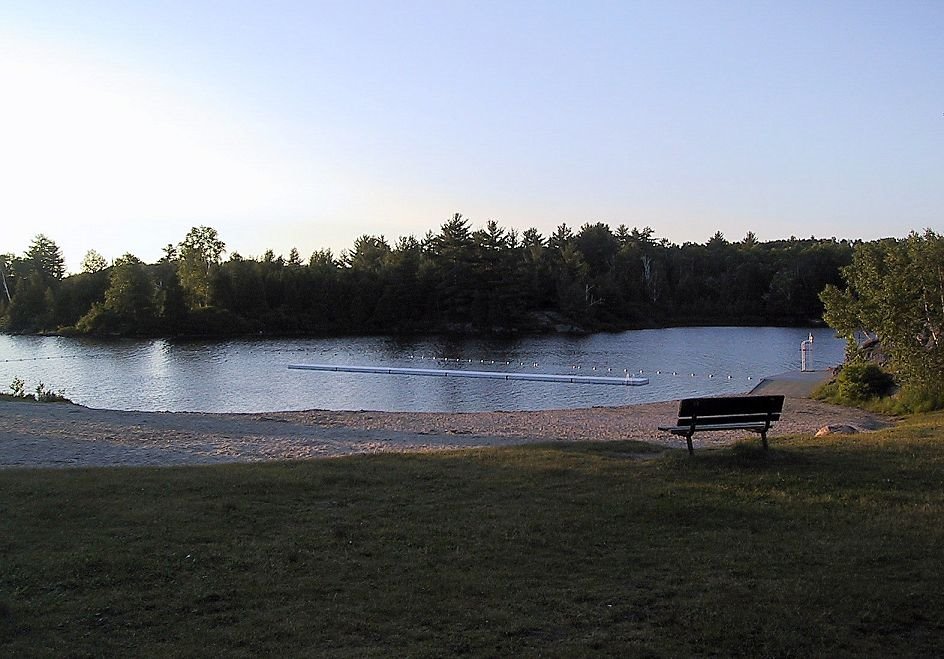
(251, 374)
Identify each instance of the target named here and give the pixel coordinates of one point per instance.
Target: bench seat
(683, 430)
(752, 413)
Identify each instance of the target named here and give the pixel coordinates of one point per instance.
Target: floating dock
(627, 381)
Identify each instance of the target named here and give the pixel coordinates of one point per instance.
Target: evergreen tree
(46, 259)
(453, 257)
(29, 310)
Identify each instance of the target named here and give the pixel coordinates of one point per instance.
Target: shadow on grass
(626, 449)
(746, 454)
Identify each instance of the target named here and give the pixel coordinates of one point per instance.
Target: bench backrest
(733, 410)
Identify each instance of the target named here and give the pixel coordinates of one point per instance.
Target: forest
(460, 280)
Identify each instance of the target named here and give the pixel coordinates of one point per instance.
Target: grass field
(819, 547)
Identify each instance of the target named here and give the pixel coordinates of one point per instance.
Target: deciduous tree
(895, 291)
(93, 262)
(200, 251)
(129, 301)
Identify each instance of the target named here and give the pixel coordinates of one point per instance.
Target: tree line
(459, 279)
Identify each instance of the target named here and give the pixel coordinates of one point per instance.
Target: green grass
(817, 547)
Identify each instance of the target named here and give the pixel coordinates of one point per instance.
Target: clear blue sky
(307, 124)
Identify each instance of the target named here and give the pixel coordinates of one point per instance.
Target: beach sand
(65, 435)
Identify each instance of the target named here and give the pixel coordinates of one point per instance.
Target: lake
(248, 375)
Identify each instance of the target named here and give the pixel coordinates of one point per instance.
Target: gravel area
(65, 435)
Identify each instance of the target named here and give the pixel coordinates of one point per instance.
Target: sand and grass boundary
(66, 435)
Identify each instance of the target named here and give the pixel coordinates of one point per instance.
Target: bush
(858, 383)
(869, 387)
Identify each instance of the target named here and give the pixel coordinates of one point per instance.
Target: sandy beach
(65, 435)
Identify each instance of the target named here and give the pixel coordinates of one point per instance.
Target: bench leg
(691, 449)
(763, 438)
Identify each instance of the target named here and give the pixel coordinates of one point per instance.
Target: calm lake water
(249, 375)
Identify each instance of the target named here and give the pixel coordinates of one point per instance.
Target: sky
(307, 124)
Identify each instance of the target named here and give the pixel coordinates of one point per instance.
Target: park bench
(754, 413)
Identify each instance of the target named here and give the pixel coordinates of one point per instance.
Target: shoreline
(56, 435)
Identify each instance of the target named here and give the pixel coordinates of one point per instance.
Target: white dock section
(490, 375)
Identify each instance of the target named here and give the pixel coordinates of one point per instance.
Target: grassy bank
(819, 547)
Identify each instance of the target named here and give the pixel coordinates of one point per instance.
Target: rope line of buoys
(36, 359)
(578, 367)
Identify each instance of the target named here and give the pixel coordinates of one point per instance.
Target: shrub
(868, 386)
(858, 383)
(18, 388)
(42, 395)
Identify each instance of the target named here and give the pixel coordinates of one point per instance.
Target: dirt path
(62, 435)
